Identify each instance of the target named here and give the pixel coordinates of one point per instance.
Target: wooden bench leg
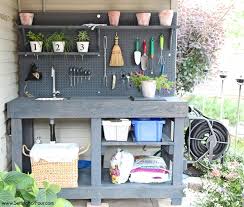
(176, 201)
(17, 141)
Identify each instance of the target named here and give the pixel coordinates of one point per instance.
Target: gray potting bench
(96, 185)
(92, 100)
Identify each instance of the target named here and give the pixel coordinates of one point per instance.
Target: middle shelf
(130, 142)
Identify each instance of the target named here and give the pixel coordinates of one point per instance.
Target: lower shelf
(107, 190)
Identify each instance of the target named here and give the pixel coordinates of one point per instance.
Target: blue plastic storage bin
(148, 130)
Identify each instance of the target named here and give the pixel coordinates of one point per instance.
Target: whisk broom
(116, 59)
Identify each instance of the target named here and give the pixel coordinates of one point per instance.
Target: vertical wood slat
(178, 151)
(96, 166)
(17, 139)
(178, 156)
(28, 141)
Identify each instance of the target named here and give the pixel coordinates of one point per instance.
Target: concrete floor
(136, 203)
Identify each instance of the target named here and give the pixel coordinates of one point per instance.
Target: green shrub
(225, 186)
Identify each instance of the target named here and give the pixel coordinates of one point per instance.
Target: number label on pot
(58, 46)
(82, 46)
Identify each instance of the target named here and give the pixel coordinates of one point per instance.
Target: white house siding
(8, 72)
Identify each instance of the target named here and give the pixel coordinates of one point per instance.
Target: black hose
(200, 132)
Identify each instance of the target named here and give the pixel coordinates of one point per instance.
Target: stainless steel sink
(49, 99)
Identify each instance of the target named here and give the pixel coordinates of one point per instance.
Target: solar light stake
(240, 82)
(223, 76)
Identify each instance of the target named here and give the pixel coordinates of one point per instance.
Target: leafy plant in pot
(57, 41)
(36, 41)
(149, 85)
(82, 41)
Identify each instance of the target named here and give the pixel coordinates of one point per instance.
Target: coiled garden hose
(200, 133)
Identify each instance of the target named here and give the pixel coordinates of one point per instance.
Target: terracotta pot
(26, 18)
(148, 88)
(143, 19)
(166, 17)
(114, 17)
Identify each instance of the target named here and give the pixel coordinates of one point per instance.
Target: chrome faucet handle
(56, 93)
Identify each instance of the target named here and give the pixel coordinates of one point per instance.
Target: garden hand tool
(116, 59)
(137, 53)
(152, 53)
(144, 57)
(161, 60)
(105, 45)
(113, 81)
(70, 76)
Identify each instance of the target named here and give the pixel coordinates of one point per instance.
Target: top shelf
(136, 27)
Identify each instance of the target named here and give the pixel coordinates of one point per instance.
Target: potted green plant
(82, 40)
(36, 41)
(56, 41)
(149, 85)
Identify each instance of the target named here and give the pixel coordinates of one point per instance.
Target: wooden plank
(7, 12)
(17, 137)
(8, 45)
(9, 3)
(96, 168)
(8, 57)
(96, 151)
(100, 108)
(4, 100)
(130, 142)
(97, 5)
(8, 34)
(28, 141)
(8, 79)
(8, 68)
(12, 89)
(178, 156)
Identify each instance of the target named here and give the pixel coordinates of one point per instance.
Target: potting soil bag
(120, 166)
(149, 169)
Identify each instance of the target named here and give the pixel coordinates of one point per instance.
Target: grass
(239, 147)
(211, 107)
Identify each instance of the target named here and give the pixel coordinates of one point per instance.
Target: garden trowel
(137, 53)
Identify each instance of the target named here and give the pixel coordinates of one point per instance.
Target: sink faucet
(55, 93)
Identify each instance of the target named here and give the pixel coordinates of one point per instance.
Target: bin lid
(58, 152)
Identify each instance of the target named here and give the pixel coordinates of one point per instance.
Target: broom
(116, 59)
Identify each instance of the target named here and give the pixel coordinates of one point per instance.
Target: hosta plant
(18, 189)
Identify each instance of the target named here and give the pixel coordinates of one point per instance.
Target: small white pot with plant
(57, 41)
(36, 41)
(149, 85)
(82, 41)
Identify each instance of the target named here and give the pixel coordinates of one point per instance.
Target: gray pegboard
(95, 86)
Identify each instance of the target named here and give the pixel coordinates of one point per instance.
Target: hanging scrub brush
(116, 59)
